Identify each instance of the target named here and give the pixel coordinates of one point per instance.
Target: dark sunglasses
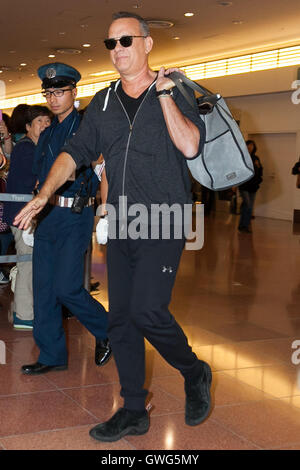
(125, 41)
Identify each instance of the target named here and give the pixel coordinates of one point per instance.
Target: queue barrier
(15, 259)
(6, 197)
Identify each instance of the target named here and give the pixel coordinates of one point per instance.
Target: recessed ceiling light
(238, 21)
(70, 51)
(51, 55)
(23, 64)
(189, 14)
(10, 80)
(86, 45)
(1, 71)
(176, 37)
(160, 24)
(90, 60)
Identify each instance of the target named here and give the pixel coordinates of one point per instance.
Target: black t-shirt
(130, 104)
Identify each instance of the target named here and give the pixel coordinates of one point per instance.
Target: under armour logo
(168, 269)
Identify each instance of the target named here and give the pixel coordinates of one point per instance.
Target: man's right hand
(24, 217)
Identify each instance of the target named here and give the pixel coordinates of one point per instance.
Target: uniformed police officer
(63, 235)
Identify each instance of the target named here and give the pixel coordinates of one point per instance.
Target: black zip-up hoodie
(141, 161)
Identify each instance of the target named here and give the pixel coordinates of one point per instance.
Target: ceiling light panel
(234, 65)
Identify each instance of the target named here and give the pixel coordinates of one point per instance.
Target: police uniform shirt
(49, 146)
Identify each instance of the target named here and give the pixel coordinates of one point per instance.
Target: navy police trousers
(60, 242)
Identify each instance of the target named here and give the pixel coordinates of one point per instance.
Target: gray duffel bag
(225, 160)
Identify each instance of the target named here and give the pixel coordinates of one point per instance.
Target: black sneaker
(124, 422)
(198, 400)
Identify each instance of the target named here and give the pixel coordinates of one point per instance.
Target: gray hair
(143, 23)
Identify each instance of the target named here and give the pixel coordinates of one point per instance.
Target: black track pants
(141, 275)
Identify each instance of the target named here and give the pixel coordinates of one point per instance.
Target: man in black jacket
(145, 133)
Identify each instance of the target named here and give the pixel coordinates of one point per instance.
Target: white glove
(102, 231)
(28, 236)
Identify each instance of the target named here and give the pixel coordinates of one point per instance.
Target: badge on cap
(51, 72)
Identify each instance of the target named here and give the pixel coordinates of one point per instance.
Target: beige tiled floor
(238, 300)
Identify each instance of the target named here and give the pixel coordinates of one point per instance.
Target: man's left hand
(163, 82)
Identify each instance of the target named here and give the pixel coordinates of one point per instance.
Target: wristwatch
(164, 93)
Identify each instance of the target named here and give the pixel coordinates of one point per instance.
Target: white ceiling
(33, 29)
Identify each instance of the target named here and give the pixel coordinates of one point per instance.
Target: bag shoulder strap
(183, 91)
(207, 96)
(178, 77)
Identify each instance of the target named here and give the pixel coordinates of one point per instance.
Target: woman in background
(22, 181)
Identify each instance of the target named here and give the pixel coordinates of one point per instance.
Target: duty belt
(62, 201)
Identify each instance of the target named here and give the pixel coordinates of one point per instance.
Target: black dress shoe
(38, 368)
(124, 422)
(102, 352)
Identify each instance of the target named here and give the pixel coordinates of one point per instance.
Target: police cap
(57, 75)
